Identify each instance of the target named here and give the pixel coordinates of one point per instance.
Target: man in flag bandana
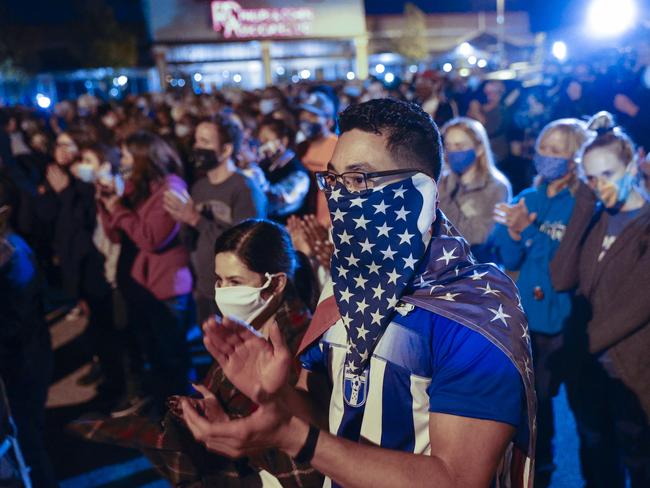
(417, 366)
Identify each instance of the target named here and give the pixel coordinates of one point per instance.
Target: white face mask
(242, 302)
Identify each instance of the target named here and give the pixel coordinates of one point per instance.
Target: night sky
(545, 14)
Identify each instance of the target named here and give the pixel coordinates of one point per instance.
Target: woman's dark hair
(153, 160)
(265, 247)
(280, 128)
(82, 136)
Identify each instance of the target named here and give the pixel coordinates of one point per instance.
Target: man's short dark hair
(412, 137)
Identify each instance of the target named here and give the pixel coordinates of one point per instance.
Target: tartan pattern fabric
(174, 452)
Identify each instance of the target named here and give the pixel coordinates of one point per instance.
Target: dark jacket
(615, 290)
(74, 216)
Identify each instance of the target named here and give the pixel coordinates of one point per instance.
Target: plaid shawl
(173, 451)
(482, 298)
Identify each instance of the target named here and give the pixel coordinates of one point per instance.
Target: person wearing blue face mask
(605, 254)
(526, 237)
(471, 185)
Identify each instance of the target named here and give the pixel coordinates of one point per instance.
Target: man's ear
(226, 151)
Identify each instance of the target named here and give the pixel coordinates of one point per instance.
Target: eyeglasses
(356, 181)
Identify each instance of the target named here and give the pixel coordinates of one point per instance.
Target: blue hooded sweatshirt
(547, 309)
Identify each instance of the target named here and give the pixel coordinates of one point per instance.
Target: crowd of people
(163, 211)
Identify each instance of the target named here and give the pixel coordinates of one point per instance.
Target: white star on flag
(352, 261)
(450, 297)
(402, 213)
(488, 291)
(447, 226)
(345, 295)
(335, 194)
(447, 255)
(360, 281)
(366, 246)
(345, 237)
(423, 283)
(525, 335)
(527, 368)
(373, 268)
(388, 253)
(405, 238)
(376, 317)
(342, 272)
(410, 262)
(478, 276)
(393, 276)
(399, 192)
(363, 355)
(434, 288)
(379, 291)
(383, 230)
(361, 222)
(338, 215)
(361, 306)
(346, 319)
(351, 367)
(357, 202)
(392, 302)
(500, 315)
(381, 208)
(362, 331)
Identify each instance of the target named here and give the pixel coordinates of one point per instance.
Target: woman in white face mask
(256, 266)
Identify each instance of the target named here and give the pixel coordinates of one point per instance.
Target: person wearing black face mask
(216, 202)
(317, 146)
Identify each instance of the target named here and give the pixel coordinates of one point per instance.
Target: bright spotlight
(465, 49)
(380, 68)
(472, 60)
(607, 18)
(305, 74)
(559, 50)
(464, 72)
(447, 67)
(236, 78)
(350, 76)
(481, 63)
(389, 77)
(295, 78)
(122, 80)
(114, 92)
(181, 82)
(413, 68)
(43, 101)
(198, 77)
(280, 70)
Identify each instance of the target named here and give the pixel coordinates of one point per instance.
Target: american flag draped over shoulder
(479, 296)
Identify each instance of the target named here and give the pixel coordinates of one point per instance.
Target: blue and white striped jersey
(423, 363)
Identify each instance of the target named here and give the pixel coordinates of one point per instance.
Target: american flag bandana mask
(379, 239)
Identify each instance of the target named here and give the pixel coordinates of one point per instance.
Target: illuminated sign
(229, 18)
